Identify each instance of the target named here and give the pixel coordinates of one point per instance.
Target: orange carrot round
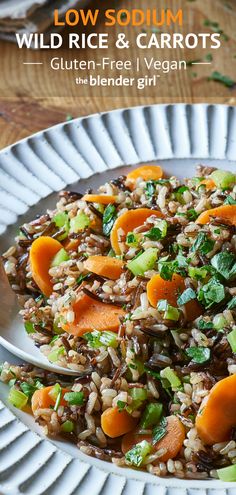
(103, 199)
(158, 288)
(217, 415)
(42, 252)
(116, 423)
(224, 212)
(105, 266)
(42, 399)
(128, 221)
(172, 442)
(146, 172)
(93, 315)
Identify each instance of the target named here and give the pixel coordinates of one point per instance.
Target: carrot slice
(224, 212)
(103, 199)
(209, 183)
(42, 399)
(217, 416)
(72, 244)
(128, 221)
(158, 288)
(146, 172)
(93, 315)
(172, 442)
(42, 252)
(116, 423)
(105, 266)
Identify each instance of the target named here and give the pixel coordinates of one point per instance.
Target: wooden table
(31, 98)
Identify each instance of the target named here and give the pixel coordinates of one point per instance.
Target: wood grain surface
(33, 98)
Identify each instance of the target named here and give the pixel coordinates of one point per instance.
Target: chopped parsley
(225, 265)
(226, 80)
(203, 244)
(109, 218)
(186, 296)
(211, 293)
(159, 431)
(198, 355)
(230, 201)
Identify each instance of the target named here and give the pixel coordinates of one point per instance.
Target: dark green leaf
(203, 244)
(198, 355)
(192, 214)
(154, 234)
(186, 296)
(121, 405)
(225, 264)
(226, 80)
(211, 293)
(82, 277)
(205, 325)
(109, 218)
(29, 389)
(230, 201)
(159, 431)
(150, 188)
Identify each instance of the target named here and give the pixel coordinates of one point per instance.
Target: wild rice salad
(133, 288)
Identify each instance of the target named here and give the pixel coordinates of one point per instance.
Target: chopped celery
(17, 398)
(219, 322)
(68, 426)
(55, 391)
(61, 220)
(56, 354)
(56, 328)
(136, 456)
(143, 262)
(80, 222)
(60, 257)
(97, 339)
(138, 393)
(232, 339)
(227, 473)
(223, 179)
(109, 339)
(171, 376)
(74, 398)
(151, 415)
(29, 327)
(198, 273)
(170, 313)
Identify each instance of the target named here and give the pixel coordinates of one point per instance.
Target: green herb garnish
(109, 218)
(198, 355)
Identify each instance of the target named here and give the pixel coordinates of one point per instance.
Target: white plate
(177, 137)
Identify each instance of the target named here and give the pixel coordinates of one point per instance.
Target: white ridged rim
(47, 162)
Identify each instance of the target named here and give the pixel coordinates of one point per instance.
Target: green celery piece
(227, 473)
(223, 179)
(60, 257)
(138, 453)
(17, 398)
(143, 262)
(80, 222)
(171, 376)
(231, 337)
